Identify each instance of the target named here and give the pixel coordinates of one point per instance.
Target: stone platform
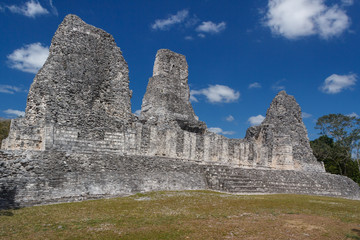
(30, 178)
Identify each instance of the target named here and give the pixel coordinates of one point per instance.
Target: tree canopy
(338, 145)
(4, 129)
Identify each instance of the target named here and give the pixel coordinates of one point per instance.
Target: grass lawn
(188, 215)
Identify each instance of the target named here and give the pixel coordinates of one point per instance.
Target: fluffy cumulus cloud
(230, 118)
(16, 113)
(255, 85)
(29, 58)
(31, 9)
(299, 18)
(9, 89)
(256, 120)
(164, 24)
(210, 27)
(220, 131)
(337, 83)
(216, 94)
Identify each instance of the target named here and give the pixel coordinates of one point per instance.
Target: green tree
(334, 158)
(338, 147)
(4, 129)
(345, 130)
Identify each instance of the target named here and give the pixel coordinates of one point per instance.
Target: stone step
(267, 184)
(273, 188)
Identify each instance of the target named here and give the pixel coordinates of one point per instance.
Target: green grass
(188, 215)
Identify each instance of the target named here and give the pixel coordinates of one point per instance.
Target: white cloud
(347, 2)
(353, 115)
(299, 18)
(228, 132)
(278, 86)
(191, 21)
(137, 112)
(189, 38)
(306, 115)
(193, 98)
(16, 113)
(333, 22)
(53, 8)
(230, 118)
(216, 94)
(201, 35)
(215, 130)
(9, 89)
(255, 85)
(256, 120)
(31, 8)
(163, 24)
(337, 83)
(210, 27)
(29, 58)
(220, 131)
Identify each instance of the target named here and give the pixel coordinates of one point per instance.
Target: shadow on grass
(6, 213)
(357, 231)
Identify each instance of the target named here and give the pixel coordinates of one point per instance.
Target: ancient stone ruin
(79, 140)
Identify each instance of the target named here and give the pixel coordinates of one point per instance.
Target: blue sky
(240, 53)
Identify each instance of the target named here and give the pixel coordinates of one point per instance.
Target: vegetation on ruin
(339, 145)
(188, 215)
(4, 129)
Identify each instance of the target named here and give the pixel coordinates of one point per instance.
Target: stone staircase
(237, 180)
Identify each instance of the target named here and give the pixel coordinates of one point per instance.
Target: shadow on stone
(7, 200)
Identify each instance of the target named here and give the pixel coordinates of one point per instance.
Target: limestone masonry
(79, 139)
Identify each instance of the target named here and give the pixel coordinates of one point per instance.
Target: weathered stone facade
(166, 101)
(79, 139)
(84, 84)
(284, 134)
(39, 177)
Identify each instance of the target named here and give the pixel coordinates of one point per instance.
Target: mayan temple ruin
(79, 139)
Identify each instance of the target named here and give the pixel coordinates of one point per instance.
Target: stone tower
(84, 85)
(284, 134)
(85, 75)
(166, 100)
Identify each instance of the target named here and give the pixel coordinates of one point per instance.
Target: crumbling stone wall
(40, 177)
(80, 102)
(140, 139)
